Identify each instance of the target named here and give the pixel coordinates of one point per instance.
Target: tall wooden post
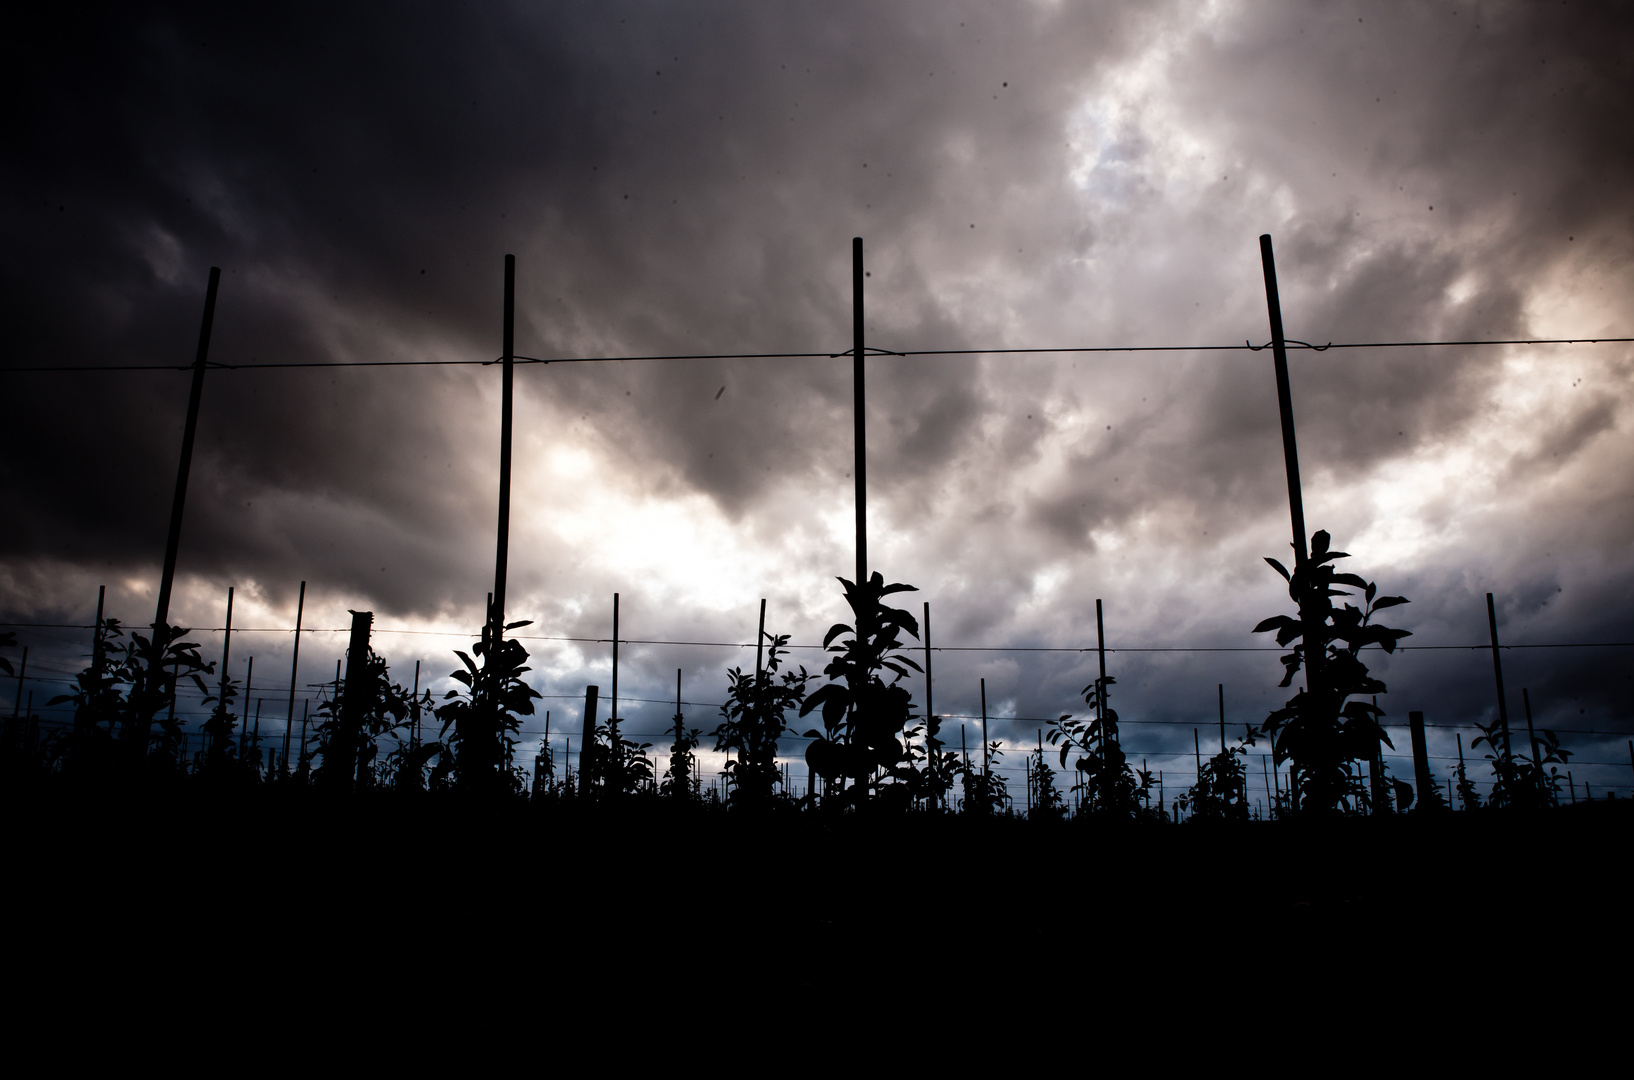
(1197, 749)
(859, 409)
(1100, 653)
(1222, 718)
(1421, 762)
(294, 668)
(612, 708)
(22, 673)
(341, 769)
(587, 752)
(244, 729)
(929, 708)
(1537, 759)
(85, 719)
(1458, 740)
(226, 655)
(984, 727)
(759, 638)
(414, 704)
(173, 538)
(1290, 446)
(135, 735)
(502, 555)
(932, 743)
(1498, 671)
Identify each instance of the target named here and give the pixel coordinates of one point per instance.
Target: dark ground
(293, 894)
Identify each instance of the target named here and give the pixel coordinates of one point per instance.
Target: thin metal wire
(1048, 350)
(1484, 646)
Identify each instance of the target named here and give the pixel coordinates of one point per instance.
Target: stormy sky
(687, 178)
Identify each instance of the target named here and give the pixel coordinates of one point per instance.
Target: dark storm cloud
(676, 180)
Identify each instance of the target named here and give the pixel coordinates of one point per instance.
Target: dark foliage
(752, 722)
(480, 724)
(864, 717)
(1320, 730)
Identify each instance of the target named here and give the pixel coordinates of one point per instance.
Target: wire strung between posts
(1484, 646)
(1042, 351)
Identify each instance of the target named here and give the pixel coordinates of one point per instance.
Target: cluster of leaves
(866, 719)
(753, 720)
(1106, 784)
(480, 723)
(1047, 801)
(1320, 729)
(1468, 797)
(985, 791)
(125, 688)
(1521, 781)
(1221, 791)
(681, 779)
(611, 766)
(352, 722)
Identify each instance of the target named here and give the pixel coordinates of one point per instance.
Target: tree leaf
(1279, 568)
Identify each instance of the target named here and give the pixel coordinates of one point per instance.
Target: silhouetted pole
(1101, 709)
(22, 672)
(984, 727)
(1421, 761)
(1498, 671)
(414, 725)
(83, 723)
(1265, 771)
(294, 668)
(859, 409)
(300, 756)
(343, 768)
(244, 731)
(502, 555)
(1100, 652)
(173, 539)
(1197, 748)
(1290, 446)
(759, 637)
(1537, 759)
(1222, 717)
(612, 707)
(929, 708)
(589, 735)
(1375, 773)
(1458, 740)
(226, 654)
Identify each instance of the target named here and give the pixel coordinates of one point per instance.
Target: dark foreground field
(197, 892)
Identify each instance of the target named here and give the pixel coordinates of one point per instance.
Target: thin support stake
(1537, 759)
(1290, 451)
(173, 538)
(760, 638)
(1285, 401)
(1498, 670)
(295, 667)
(502, 554)
(984, 728)
(859, 408)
